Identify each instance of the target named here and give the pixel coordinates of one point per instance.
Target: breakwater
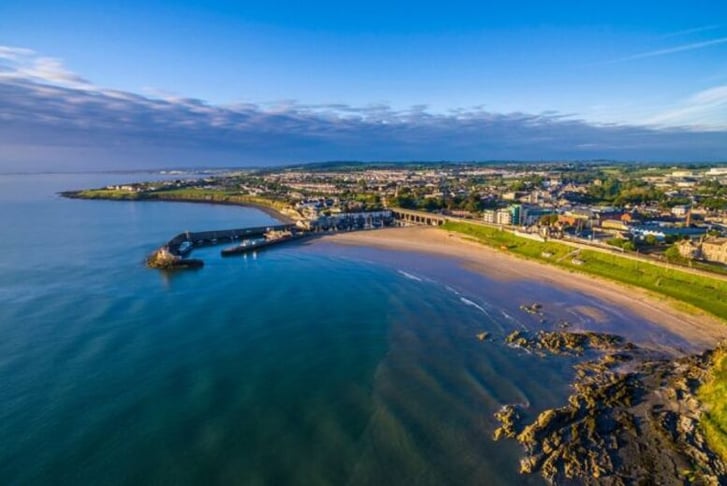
(173, 255)
(249, 246)
(183, 243)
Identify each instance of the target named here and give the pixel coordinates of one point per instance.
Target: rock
(532, 308)
(163, 259)
(483, 335)
(573, 343)
(509, 419)
(517, 338)
(618, 426)
(529, 464)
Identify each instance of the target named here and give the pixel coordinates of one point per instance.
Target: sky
(115, 85)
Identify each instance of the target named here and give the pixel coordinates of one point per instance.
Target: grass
(713, 394)
(702, 292)
(710, 267)
(183, 194)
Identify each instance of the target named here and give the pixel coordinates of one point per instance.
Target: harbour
(175, 253)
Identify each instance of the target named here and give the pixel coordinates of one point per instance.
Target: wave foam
(410, 276)
(475, 305)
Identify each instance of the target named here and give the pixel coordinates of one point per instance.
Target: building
(566, 221)
(614, 224)
(530, 215)
(461, 213)
(515, 211)
(715, 250)
(489, 216)
(662, 231)
(689, 249)
(504, 216)
(512, 195)
(500, 216)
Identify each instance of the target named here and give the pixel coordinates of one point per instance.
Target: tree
(672, 253)
(517, 186)
(715, 203)
(404, 201)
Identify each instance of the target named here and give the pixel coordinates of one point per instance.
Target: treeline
(473, 202)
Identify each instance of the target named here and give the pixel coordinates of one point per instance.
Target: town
(670, 213)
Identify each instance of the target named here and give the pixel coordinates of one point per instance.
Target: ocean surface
(306, 364)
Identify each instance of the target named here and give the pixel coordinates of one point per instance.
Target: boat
(247, 246)
(185, 247)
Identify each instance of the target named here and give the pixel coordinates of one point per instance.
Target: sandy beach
(698, 327)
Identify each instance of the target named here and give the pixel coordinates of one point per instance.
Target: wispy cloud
(22, 63)
(14, 53)
(706, 109)
(670, 50)
(693, 30)
(49, 116)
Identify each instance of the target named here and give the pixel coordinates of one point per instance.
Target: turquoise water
(306, 364)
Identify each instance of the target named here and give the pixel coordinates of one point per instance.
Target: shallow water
(306, 364)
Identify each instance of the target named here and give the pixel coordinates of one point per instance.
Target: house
(715, 250)
(614, 224)
(689, 249)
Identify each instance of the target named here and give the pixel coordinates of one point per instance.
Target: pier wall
(203, 238)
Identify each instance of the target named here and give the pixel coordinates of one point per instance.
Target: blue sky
(454, 80)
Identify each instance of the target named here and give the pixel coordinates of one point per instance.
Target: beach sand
(698, 328)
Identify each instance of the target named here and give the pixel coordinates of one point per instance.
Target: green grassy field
(184, 194)
(707, 294)
(713, 394)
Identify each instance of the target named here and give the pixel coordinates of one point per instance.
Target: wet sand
(698, 328)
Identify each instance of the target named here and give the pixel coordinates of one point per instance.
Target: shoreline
(270, 211)
(693, 325)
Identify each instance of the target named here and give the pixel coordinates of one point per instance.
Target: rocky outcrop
(163, 259)
(483, 336)
(571, 343)
(509, 419)
(631, 419)
(533, 308)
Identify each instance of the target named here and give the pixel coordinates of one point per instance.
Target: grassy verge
(710, 267)
(698, 291)
(713, 394)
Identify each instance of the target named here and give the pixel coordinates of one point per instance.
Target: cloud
(707, 109)
(14, 53)
(693, 30)
(26, 64)
(671, 50)
(51, 118)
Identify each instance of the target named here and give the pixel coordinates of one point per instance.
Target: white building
(499, 216)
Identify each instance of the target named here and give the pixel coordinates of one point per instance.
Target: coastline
(269, 210)
(695, 326)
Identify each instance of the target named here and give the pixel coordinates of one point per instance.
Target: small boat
(252, 245)
(185, 247)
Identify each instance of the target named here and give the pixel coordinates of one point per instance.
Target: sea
(307, 364)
